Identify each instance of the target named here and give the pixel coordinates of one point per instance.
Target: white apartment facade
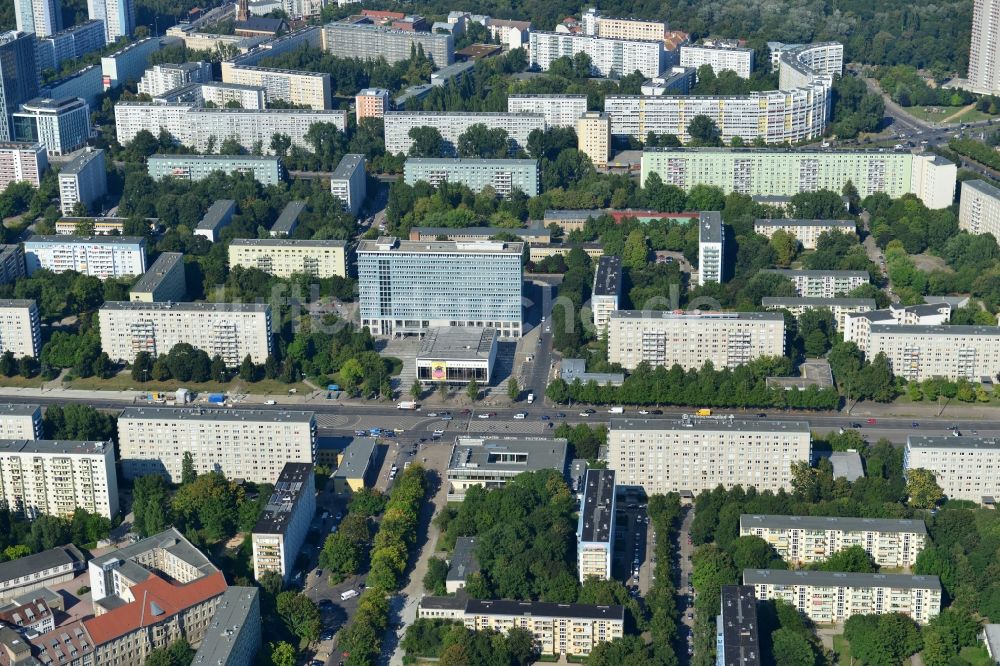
(807, 539)
(593, 136)
(840, 308)
(711, 248)
(807, 232)
(621, 28)
(22, 161)
(84, 180)
(240, 443)
(99, 256)
(55, 478)
(230, 330)
(595, 531)
(826, 597)
(609, 57)
(453, 124)
(281, 530)
(689, 339)
(607, 291)
(984, 47)
(20, 421)
(285, 257)
(559, 110)
(858, 326)
(966, 468)
(668, 455)
(953, 352)
(822, 284)
(349, 183)
(160, 79)
(979, 208)
(20, 328)
(720, 58)
(311, 89)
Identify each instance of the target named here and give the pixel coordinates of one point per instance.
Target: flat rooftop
(228, 618)
(288, 490)
(288, 218)
(571, 369)
(396, 246)
(711, 424)
(608, 278)
(982, 187)
(185, 307)
(215, 158)
(890, 525)
(514, 454)
(847, 464)
(942, 442)
(598, 507)
(740, 631)
(155, 274)
(356, 458)
(695, 315)
(790, 272)
(543, 609)
(202, 414)
(459, 343)
(944, 330)
(817, 302)
(285, 242)
(348, 164)
(85, 240)
(467, 161)
(710, 227)
(215, 214)
(779, 222)
(63, 447)
(16, 302)
(839, 579)
(18, 409)
(80, 162)
(485, 232)
(463, 561)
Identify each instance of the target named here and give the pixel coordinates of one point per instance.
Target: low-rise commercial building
(452, 124)
(492, 462)
(20, 328)
(593, 134)
(607, 292)
(159, 79)
(719, 58)
(285, 257)
(282, 527)
(917, 353)
(99, 256)
(807, 232)
(964, 467)
(689, 339)
(574, 369)
(695, 454)
(349, 183)
(153, 440)
(608, 57)
(33, 572)
(216, 218)
(457, 355)
(711, 248)
(857, 327)
(55, 478)
(825, 596)
(452, 73)
(808, 539)
(84, 180)
(231, 331)
(233, 636)
(354, 466)
(840, 308)
(371, 42)
(737, 636)
(979, 208)
(22, 161)
(595, 530)
(822, 284)
(462, 564)
(20, 421)
(62, 125)
(504, 176)
(371, 103)
(266, 170)
(559, 110)
(163, 281)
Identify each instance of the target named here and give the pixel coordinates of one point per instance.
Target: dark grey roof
(202, 414)
(347, 166)
(17, 302)
(289, 217)
(740, 633)
(710, 227)
(18, 409)
(791, 273)
(511, 454)
(598, 507)
(983, 187)
(357, 456)
(216, 213)
(260, 24)
(460, 343)
(463, 561)
(294, 481)
(890, 525)
(47, 559)
(817, 302)
(711, 425)
(444, 603)
(839, 579)
(229, 618)
(696, 315)
(942, 442)
(53, 446)
(140, 306)
(948, 330)
(544, 609)
(572, 214)
(781, 222)
(169, 540)
(608, 278)
(78, 163)
(285, 242)
(485, 232)
(155, 274)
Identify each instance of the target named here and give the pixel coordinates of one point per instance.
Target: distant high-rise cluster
(984, 48)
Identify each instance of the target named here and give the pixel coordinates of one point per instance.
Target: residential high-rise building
(984, 48)
(118, 17)
(719, 58)
(11, 263)
(371, 42)
(452, 124)
(839, 307)
(311, 89)
(788, 172)
(858, 326)
(18, 77)
(128, 63)
(711, 248)
(808, 539)
(608, 57)
(696, 454)
(622, 28)
(22, 161)
(87, 84)
(822, 284)
(559, 110)
(349, 183)
(84, 180)
(595, 530)
(371, 103)
(266, 170)
(230, 330)
(258, 442)
(20, 421)
(69, 44)
(163, 281)
(282, 527)
(42, 17)
(689, 339)
(99, 256)
(825, 596)
(919, 352)
(979, 208)
(233, 637)
(20, 330)
(288, 220)
(159, 79)
(806, 232)
(62, 126)
(593, 135)
(737, 639)
(55, 478)
(220, 94)
(606, 295)
(503, 175)
(409, 287)
(964, 467)
(285, 257)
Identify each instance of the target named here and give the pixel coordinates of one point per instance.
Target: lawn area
(22, 382)
(974, 116)
(842, 648)
(124, 382)
(934, 114)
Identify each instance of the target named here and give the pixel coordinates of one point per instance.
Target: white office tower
(118, 17)
(696, 454)
(711, 246)
(984, 47)
(41, 17)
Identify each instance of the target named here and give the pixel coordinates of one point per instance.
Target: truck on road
(616, 410)
(704, 412)
(408, 404)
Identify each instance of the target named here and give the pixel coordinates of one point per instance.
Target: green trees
(427, 142)
(78, 422)
(792, 649)
(484, 142)
(882, 640)
(208, 505)
(344, 551)
(472, 390)
(786, 247)
(299, 614)
(513, 389)
(436, 576)
(178, 653)
(451, 643)
(150, 504)
(703, 131)
(585, 440)
(853, 560)
(922, 489)
(636, 251)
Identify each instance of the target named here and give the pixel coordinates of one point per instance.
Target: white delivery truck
(616, 410)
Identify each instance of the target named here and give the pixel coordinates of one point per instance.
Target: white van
(349, 594)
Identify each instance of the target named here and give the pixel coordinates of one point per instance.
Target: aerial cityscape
(362, 332)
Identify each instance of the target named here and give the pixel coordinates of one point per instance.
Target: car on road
(872, 421)
(447, 417)
(656, 411)
(561, 415)
(465, 411)
(584, 414)
(644, 411)
(432, 414)
(520, 416)
(484, 415)
(762, 415)
(544, 417)
(360, 433)
(855, 425)
(437, 433)
(338, 516)
(914, 425)
(270, 402)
